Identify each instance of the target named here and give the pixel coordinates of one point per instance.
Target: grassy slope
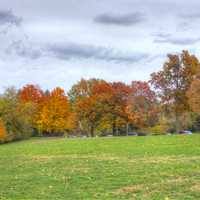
(101, 168)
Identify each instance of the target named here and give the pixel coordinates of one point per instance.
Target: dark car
(106, 134)
(142, 134)
(132, 134)
(185, 132)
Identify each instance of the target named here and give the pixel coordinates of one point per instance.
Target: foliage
(54, 113)
(15, 115)
(31, 93)
(97, 102)
(167, 103)
(142, 105)
(82, 89)
(157, 130)
(173, 81)
(193, 95)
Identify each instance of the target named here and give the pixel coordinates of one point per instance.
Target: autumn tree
(32, 96)
(193, 95)
(142, 107)
(54, 113)
(31, 93)
(72, 121)
(173, 81)
(84, 104)
(103, 93)
(113, 100)
(82, 89)
(99, 104)
(88, 113)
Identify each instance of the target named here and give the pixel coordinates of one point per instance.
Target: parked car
(132, 134)
(71, 136)
(185, 132)
(142, 134)
(106, 134)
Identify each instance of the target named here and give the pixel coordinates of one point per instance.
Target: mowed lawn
(159, 167)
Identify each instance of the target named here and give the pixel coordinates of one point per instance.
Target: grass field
(161, 167)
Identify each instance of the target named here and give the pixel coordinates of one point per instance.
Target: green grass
(161, 167)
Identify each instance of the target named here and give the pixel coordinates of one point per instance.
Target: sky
(56, 43)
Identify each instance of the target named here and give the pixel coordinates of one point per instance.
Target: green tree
(16, 116)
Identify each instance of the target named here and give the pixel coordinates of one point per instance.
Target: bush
(156, 130)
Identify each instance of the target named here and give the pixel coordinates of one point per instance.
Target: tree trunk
(117, 131)
(127, 128)
(177, 122)
(80, 128)
(92, 131)
(114, 128)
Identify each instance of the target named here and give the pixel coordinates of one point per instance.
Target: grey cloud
(178, 41)
(121, 20)
(161, 35)
(194, 15)
(167, 38)
(188, 21)
(7, 17)
(70, 51)
(23, 49)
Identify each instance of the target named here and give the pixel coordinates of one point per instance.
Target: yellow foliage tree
(53, 117)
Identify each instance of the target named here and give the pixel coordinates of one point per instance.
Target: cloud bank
(119, 19)
(7, 17)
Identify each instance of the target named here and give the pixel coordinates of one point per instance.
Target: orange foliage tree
(32, 95)
(112, 98)
(54, 113)
(103, 104)
(85, 106)
(88, 113)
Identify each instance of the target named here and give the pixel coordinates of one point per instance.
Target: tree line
(168, 102)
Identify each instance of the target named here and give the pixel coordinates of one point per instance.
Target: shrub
(156, 130)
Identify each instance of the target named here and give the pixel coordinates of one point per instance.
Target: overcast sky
(56, 43)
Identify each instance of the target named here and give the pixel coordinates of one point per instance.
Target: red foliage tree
(31, 93)
(142, 105)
